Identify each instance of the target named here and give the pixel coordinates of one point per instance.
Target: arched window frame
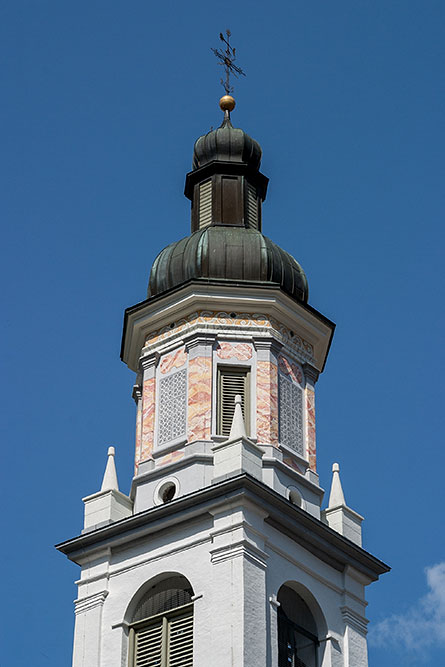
(289, 632)
(170, 642)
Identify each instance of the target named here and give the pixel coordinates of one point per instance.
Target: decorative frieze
(251, 323)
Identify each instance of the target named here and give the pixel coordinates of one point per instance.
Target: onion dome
(231, 254)
(227, 144)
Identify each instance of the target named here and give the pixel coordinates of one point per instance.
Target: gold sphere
(227, 103)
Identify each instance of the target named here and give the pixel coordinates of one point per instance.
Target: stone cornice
(147, 316)
(290, 520)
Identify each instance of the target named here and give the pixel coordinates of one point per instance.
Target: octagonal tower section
(226, 315)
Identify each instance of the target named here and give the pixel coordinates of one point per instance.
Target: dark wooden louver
(231, 383)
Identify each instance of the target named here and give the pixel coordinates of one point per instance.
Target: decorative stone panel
(267, 402)
(200, 397)
(290, 394)
(173, 360)
(148, 419)
(137, 393)
(311, 376)
(239, 351)
(172, 409)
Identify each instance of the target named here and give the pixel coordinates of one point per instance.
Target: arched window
(161, 632)
(297, 631)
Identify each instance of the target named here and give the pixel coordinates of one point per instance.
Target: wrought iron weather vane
(227, 59)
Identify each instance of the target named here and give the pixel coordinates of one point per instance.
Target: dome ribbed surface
(226, 144)
(227, 253)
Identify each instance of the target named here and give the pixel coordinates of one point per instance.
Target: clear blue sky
(101, 104)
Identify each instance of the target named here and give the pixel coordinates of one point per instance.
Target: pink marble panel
(148, 419)
(173, 360)
(310, 420)
(290, 368)
(170, 458)
(291, 463)
(138, 432)
(267, 402)
(240, 351)
(199, 398)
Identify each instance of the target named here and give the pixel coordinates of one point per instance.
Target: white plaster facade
(236, 542)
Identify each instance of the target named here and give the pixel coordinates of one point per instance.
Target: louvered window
(252, 207)
(205, 204)
(161, 634)
(232, 381)
(165, 641)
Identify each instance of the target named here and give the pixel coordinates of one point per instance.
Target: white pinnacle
(110, 477)
(238, 429)
(336, 497)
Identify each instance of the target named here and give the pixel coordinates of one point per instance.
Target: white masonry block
(105, 507)
(108, 504)
(338, 515)
(235, 457)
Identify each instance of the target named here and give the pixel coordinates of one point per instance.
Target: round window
(166, 491)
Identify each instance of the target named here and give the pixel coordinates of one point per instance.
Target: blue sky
(101, 104)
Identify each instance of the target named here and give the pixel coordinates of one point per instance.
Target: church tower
(221, 556)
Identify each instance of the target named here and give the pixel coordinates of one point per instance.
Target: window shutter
(180, 641)
(231, 383)
(252, 207)
(205, 204)
(148, 646)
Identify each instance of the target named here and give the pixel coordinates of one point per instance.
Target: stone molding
(267, 343)
(355, 620)
(310, 373)
(85, 604)
(298, 525)
(150, 361)
(200, 339)
(241, 548)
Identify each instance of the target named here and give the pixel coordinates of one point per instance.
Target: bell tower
(221, 555)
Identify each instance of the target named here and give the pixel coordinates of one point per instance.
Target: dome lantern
(225, 186)
(226, 189)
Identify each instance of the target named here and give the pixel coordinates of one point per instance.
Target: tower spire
(336, 497)
(110, 476)
(238, 429)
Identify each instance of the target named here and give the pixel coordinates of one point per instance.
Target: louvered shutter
(180, 641)
(148, 646)
(205, 204)
(231, 383)
(252, 207)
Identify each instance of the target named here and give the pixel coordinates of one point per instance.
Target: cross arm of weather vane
(227, 60)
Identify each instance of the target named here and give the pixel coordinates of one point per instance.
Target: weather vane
(227, 59)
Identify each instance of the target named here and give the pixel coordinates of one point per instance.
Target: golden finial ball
(227, 103)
